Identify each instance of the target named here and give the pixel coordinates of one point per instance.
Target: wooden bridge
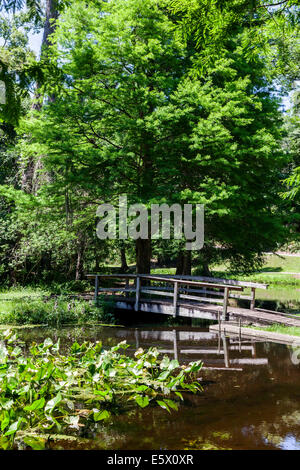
(187, 296)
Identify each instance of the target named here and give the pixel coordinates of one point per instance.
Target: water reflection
(250, 400)
(217, 351)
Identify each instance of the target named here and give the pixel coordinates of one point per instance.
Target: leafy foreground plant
(43, 392)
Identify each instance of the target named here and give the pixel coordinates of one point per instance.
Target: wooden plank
(191, 283)
(237, 296)
(116, 289)
(201, 299)
(234, 282)
(112, 276)
(146, 290)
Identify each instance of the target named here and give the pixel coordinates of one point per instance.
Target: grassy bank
(38, 306)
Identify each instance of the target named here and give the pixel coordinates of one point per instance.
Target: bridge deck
(206, 311)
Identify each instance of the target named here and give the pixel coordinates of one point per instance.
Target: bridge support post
(175, 298)
(252, 303)
(96, 289)
(225, 304)
(137, 293)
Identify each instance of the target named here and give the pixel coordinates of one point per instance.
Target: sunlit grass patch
(285, 330)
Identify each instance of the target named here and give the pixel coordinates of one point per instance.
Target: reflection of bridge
(187, 296)
(216, 351)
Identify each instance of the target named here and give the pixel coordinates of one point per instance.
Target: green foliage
(34, 6)
(17, 68)
(268, 30)
(43, 392)
(293, 183)
(127, 114)
(70, 286)
(285, 330)
(60, 311)
(168, 102)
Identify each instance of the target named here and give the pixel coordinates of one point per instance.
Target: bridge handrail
(233, 282)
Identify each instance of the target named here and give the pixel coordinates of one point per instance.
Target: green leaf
(174, 364)
(142, 388)
(36, 443)
(163, 405)
(100, 415)
(142, 401)
(47, 343)
(164, 375)
(179, 395)
(16, 351)
(172, 404)
(14, 427)
(5, 423)
(36, 405)
(51, 404)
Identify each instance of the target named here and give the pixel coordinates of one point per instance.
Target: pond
(250, 398)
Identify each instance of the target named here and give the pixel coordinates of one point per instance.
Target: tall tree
(129, 118)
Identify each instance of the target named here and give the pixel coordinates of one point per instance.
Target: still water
(250, 398)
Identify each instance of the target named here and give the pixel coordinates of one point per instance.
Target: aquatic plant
(44, 393)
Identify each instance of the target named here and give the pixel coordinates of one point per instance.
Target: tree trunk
(49, 28)
(206, 271)
(184, 263)
(97, 261)
(143, 256)
(124, 265)
(79, 263)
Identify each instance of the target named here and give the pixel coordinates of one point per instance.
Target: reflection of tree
(276, 432)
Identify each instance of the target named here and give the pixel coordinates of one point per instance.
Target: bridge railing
(188, 288)
(233, 282)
